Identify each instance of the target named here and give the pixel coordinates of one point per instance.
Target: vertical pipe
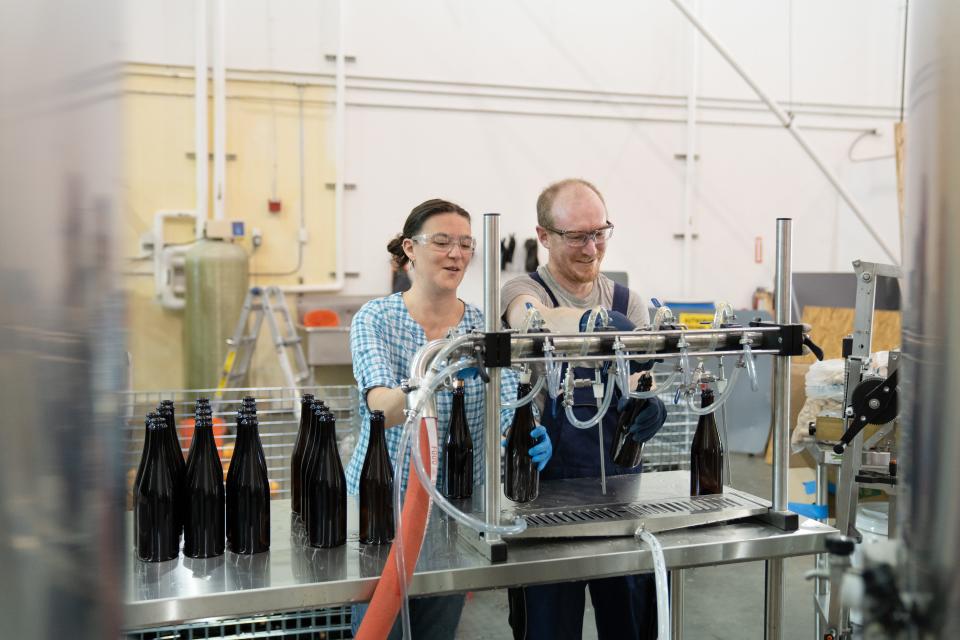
(676, 604)
(491, 315)
(200, 115)
(781, 428)
(340, 137)
(690, 167)
(219, 110)
(781, 368)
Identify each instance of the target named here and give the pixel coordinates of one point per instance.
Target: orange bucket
(186, 431)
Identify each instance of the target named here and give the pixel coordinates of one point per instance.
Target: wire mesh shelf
(329, 624)
(278, 409)
(669, 450)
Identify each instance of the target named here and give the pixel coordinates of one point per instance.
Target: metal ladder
(265, 302)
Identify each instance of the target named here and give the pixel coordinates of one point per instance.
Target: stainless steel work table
(292, 576)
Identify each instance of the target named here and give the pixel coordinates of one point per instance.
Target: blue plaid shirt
(383, 341)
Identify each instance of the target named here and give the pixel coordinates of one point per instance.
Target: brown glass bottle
(296, 459)
(248, 492)
(204, 509)
(376, 487)
(458, 450)
(174, 456)
(626, 451)
(157, 525)
(706, 453)
(310, 451)
(167, 411)
(326, 490)
(153, 415)
(521, 478)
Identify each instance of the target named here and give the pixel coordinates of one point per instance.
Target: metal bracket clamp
(790, 340)
(496, 349)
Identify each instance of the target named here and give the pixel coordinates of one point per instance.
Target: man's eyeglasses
(444, 242)
(581, 238)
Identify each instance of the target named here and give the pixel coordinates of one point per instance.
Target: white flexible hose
(516, 404)
(748, 359)
(607, 397)
(660, 577)
(720, 399)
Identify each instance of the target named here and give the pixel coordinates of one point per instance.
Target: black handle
(817, 351)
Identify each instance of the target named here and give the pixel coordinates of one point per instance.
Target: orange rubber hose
(385, 604)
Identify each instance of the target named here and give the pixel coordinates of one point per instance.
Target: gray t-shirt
(600, 295)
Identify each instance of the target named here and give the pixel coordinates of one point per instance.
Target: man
(572, 224)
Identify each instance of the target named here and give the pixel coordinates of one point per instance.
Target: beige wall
(263, 132)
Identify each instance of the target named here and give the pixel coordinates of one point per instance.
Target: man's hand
(648, 421)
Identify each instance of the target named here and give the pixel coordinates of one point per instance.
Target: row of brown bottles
(194, 502)
(521, 477)
(706, 452)
(159, 488)
(319, 485)
(323, 497)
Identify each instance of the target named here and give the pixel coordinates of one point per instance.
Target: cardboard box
(798, 395)
(831, 429)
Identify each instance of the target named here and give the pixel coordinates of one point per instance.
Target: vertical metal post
(676, 604)
(491, 315)
(820, 585)
(781, 426)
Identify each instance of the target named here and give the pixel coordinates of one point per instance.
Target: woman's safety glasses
(444, 242)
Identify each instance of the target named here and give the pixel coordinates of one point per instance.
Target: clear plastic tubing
(408, 438)
(731, 383)
(463, 518)
(607, 397)
(660, 577)
(623, 379)
(516, 404)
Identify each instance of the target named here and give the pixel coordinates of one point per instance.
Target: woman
(386, 333)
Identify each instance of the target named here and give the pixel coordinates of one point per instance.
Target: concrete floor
(720, 602)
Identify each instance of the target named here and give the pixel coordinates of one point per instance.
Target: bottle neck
(706, 398)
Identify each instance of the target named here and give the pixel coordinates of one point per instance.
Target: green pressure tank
(217, 283)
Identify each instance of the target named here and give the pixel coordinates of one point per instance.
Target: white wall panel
(457, 141)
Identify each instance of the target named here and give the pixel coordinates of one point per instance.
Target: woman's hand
(543, 450)
(540, 452)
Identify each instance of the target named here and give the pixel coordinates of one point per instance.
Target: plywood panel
(830, 324)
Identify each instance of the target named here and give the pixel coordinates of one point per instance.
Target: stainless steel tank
(61, 341)
(217, 281)
(930, 516)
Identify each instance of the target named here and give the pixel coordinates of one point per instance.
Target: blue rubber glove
(543, 450)
(540, 452)
(648, 421)
(468, 374)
